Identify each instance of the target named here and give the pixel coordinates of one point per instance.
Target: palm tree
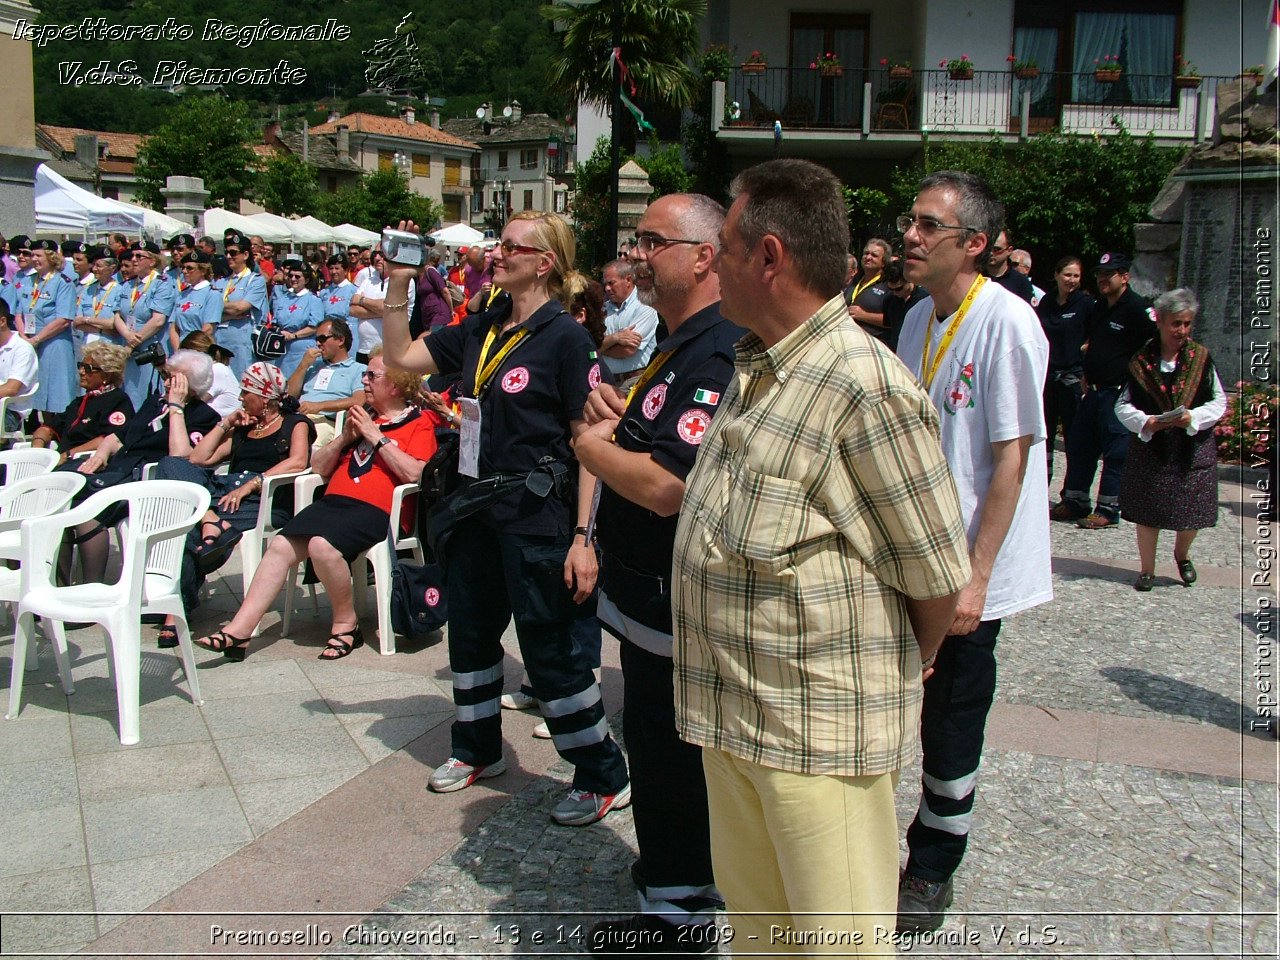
(659, 38)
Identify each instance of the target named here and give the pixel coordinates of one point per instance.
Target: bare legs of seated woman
(282, 554)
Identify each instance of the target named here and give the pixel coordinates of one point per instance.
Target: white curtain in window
(1041, 45)
(1144, 43)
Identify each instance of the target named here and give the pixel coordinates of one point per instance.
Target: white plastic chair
(161, 512)
(27, 462)
(38, 496)
(254, 542)
(380, 556)
(19, 434)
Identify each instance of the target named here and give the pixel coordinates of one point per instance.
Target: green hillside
(94, 74)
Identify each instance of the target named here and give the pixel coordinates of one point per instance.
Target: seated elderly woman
(1171, 403)
(382, 444)
(169, 422)
(99, 411)
(265, 437)
(224, 394)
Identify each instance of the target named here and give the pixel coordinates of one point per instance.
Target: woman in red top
(378, 449)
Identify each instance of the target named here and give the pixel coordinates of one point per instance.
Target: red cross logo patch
(515, 380)
(692, 425)
(593, 376)
(334, 298)
(293, 307)
(186, 305)
(653, 401)
(432, 596)
(116, 419)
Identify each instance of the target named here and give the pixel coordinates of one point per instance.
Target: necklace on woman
(261, 428)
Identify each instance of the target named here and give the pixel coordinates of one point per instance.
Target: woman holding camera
(527, 368)
(296, 311)
(143, 310)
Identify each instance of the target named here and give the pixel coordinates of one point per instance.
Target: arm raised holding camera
(399, 348)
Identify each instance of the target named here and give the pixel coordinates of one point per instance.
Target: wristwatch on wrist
(381, 443)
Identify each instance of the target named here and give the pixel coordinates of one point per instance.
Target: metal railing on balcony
(872, 100)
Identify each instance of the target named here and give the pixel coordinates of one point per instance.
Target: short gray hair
(701, 219)
(622, 268)
(197, 367)
(977, 208)
(1179, 300)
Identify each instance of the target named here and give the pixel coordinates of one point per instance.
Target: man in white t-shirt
(19, 369)
(367, 306)
(979, 352)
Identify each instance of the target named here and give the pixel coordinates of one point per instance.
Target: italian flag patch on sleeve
(709, 397)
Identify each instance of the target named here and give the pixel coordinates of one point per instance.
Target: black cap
(145, 246)
(47, 245)
(20, 242)
(181, 240)
(1113, 261)
(337, 260)
(234, 238)
(292, 264)
(70, 247)
(96, 253)
(196, 256)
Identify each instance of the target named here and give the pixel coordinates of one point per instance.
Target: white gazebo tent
(317, 224)
(349, 234)
(457, 235)
(62, 207)
(299, 231)
(216, 221)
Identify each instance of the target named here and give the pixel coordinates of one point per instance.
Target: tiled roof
(120, 146)
(394, 127)
(531, 128)
(322, 152)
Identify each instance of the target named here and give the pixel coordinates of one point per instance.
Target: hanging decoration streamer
(644, 125)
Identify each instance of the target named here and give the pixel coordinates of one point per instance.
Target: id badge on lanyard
(469, 437)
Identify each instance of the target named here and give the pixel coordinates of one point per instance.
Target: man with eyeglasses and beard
(328, 379)
(641, 443)
(980, 354)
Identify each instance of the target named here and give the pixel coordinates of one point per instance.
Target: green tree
(708, 158)
(287, 185)
(659, 38)
(379, 200)
(596, 246)
(206, 137)
(1064, 193)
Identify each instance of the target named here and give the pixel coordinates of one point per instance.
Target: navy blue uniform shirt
(1115, 334)
(666, 418)
(527, 406)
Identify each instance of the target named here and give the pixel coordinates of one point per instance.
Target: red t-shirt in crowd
(374, 484)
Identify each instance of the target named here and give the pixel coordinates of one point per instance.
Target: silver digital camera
(403, 248)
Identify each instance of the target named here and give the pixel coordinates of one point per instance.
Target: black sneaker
(922, 903)
(644, 933)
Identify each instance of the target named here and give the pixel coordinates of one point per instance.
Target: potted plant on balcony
(958, 68)
(898, 69)
(828, 64)
(1108, 69)
(1023, 69)
(756, 63)
(1251, 75)
(1186, 77)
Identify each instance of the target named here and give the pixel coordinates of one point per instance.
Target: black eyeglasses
(323, 338)
(648, 242)
(89, 368)
(927, 226)
(234, 253)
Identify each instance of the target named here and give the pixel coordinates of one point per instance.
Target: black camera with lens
(153, 356)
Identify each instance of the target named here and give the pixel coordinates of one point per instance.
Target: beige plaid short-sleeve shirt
(819, 501)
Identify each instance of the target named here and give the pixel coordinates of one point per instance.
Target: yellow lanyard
(928, 370)
(857, 291)
(654, 365)
(485, 371)
(98, 301)
(139, 294)
(35, 292)
(231, 287)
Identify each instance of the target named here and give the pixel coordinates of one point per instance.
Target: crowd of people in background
(705, 452)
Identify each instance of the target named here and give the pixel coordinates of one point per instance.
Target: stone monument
(633, 196)
(185, 199)
(1214, 229)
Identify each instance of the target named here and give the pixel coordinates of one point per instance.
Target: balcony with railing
(873, 102)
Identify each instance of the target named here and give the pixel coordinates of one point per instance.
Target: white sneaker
(541, 731)
(455, 774)
(519, 700)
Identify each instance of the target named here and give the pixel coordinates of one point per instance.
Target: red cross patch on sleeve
(692, 425)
